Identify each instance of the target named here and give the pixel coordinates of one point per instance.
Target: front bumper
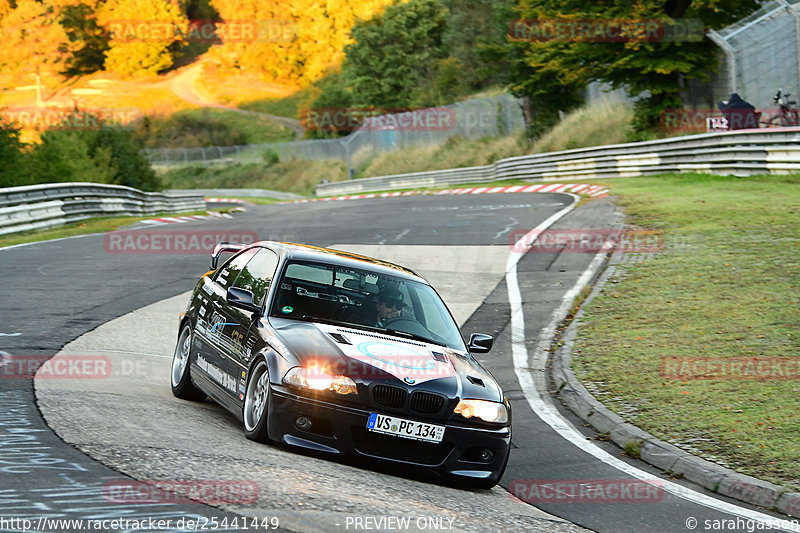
(341, 429)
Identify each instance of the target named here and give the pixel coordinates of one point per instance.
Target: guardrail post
(350, 171)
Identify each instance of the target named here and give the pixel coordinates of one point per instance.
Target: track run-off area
(64, 442)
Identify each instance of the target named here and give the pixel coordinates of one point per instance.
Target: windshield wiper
(312, 318)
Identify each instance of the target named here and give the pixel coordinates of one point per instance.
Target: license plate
(409, 429)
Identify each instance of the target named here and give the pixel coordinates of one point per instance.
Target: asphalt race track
(128, 424)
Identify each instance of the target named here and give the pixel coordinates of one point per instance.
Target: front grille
(388, 396)
(400, 449)
(426, 403)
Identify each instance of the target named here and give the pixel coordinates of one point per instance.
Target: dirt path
(183, 85)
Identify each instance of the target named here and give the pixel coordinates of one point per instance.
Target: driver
(390, 302)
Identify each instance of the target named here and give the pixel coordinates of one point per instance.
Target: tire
(182, 386)
(255, 413)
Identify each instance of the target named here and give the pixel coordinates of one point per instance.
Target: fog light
(303, 423)
(487, 455)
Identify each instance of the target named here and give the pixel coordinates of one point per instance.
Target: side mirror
(480, 343)
(243, 299)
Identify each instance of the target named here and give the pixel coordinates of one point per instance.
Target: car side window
(227, 274)
(257, 276)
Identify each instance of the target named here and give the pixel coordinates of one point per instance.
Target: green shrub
(270, 157)
(110, 154)
(11, 159)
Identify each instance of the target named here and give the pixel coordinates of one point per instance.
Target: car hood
(369, 356)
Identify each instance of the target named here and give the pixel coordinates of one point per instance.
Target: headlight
(315, 378)
(485, 410)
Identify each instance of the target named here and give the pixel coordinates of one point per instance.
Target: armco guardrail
(241, 193)
(740, 153)
(42, 206)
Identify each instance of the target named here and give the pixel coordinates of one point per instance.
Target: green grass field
(726, 286)
(211, 127)
(300, 177)
(587, 126)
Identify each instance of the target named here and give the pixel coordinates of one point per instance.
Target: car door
(234, 341)
(213, 319)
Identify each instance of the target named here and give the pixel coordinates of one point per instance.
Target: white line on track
(525, 368)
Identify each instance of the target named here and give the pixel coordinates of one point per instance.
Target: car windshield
(363, 298)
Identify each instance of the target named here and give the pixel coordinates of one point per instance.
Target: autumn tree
(33, 40)
(297, 42)
(143, 35)
(654, 69)
(88, 40)
(5, 8)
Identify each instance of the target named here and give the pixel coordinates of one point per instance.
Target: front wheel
(182, 386)
(256, 403)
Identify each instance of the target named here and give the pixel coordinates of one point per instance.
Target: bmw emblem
(409, 380)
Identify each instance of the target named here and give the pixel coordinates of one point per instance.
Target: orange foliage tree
(297, 42)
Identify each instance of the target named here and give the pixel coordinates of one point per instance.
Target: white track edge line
(547, 413)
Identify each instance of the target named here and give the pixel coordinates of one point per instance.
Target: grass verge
(259, 200)
(726, 286)
(82, 227)
(300, 177)
(598, 124)
(593, 125)
(251, 92)
(211, 127)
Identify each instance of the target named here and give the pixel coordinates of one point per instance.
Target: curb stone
(183, 219)
(595, 191)
(658, 453)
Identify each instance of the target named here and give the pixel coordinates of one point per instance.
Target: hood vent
(341, 339)
(382, 337)
(439, 356)
(476, 381)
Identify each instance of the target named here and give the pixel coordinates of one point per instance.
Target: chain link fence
(472, 119)
(759, 55)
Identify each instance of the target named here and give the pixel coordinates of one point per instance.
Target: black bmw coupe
(345, 354)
